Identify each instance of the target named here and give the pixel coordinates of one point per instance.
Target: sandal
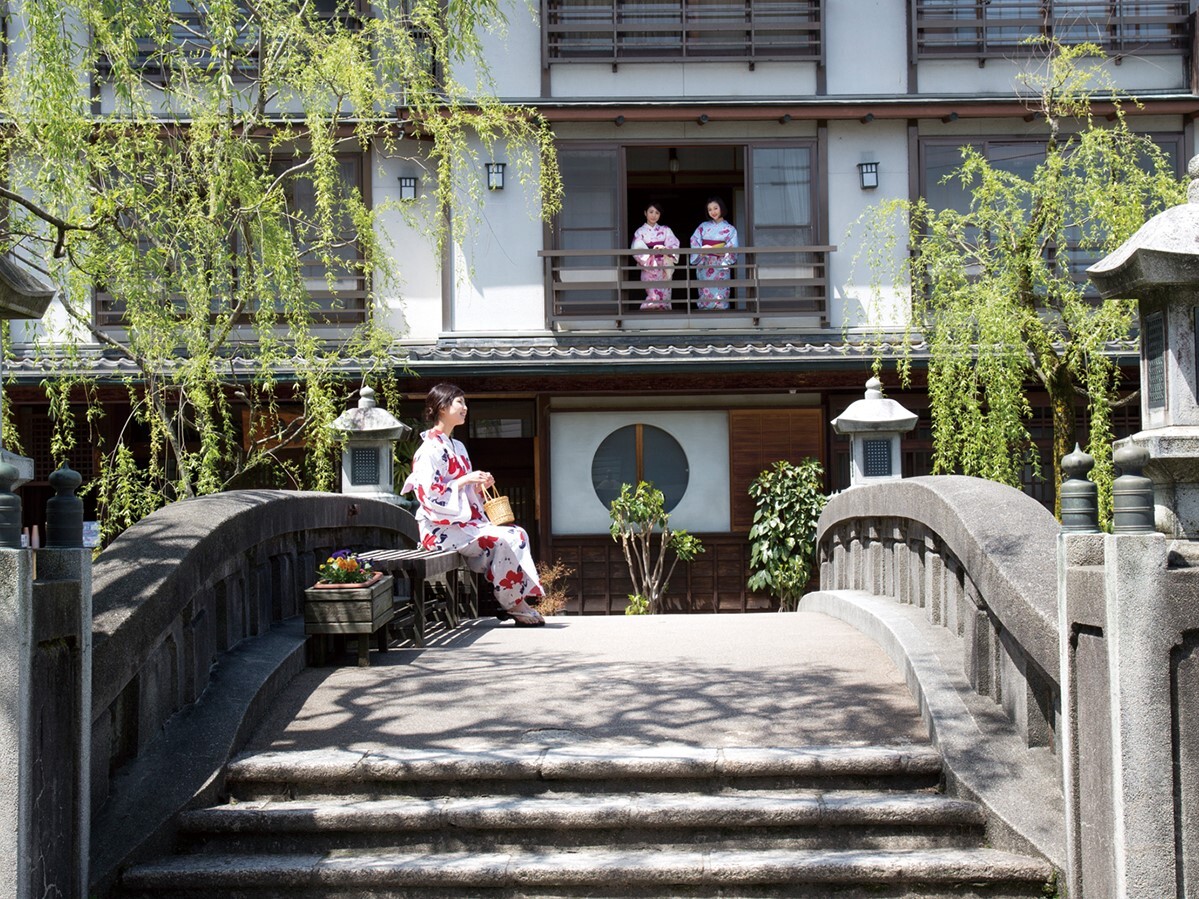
(523, 616)
(528, 620)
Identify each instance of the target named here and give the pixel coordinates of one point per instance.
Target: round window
(640, 452)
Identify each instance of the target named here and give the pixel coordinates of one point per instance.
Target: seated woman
(451, 516)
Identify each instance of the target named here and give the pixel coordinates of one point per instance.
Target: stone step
(618, 768)
(767, 819)
(930, 874)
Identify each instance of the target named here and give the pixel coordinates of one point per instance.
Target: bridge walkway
(703, 680)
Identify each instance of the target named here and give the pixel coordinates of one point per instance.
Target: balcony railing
(978, 30)
(602, 288)
(670, 30)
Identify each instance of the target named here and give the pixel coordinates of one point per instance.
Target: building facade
(799, 115)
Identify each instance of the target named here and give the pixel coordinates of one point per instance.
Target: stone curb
(583, 812)
(600, 867)
(985, 759)
(582, 763)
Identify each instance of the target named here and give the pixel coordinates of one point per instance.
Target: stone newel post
(45, 715)
(1128, 602)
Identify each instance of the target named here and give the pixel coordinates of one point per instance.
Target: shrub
(553, 582)
(788, 500)
(639, 521)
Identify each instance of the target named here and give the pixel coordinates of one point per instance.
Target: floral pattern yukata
(714, 267)
(655, 267)
(451, 517)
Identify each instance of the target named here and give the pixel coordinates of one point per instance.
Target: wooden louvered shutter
(760, 437)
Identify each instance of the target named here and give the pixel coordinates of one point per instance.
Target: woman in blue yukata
(712, 235)
(451, 514)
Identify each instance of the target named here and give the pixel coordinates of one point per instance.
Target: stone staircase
(588, 821)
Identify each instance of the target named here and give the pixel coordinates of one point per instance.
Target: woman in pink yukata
(451, 515)
(655, 266)
(714, 233)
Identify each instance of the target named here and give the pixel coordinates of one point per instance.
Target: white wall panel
(575, 436)
(853, 303)
(866, 47)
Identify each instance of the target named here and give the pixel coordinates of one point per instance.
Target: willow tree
(998, 290)
(178, 165)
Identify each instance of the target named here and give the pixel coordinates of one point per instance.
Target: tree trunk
(1065, 432)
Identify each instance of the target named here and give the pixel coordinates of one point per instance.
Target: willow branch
(49, 218)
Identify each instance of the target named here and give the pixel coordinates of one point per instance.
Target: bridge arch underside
(956, 578)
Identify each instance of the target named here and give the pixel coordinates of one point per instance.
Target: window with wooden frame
(760, 437)
(615, 31)
(336, 281)
(640, 452)
(188, 38)
(940, 157)
(983, 29)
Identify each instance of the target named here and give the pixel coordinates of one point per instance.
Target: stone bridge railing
(956, 578)
(980, 559)
(183, 589)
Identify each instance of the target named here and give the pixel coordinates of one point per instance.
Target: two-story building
(799, 114)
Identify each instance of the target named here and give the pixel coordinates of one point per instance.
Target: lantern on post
(366, 461)
(23, 295)
(874, 425)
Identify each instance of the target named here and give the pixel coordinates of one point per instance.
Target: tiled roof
(575, 354)
(544, 355)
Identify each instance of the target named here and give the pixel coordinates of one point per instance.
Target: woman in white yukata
(713, 266)
(451, 515)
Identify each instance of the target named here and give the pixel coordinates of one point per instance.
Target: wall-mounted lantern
(495, 175)
(868, 175)
(407, 187)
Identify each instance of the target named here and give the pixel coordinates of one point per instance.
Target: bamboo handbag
(496, 507)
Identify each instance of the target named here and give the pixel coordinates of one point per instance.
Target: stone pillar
(16, 734)
(45, 722)
(1129, 606)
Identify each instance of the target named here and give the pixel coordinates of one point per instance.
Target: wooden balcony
(586, 31)
(949, 29)
(769, 287)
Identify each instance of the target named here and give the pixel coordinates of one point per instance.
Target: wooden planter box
(350, 609)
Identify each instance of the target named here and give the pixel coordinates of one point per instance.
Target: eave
(842, 109)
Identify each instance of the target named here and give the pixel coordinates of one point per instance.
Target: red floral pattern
(450, 516)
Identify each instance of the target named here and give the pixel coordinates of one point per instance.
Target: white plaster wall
(638, 81)
(866, 47)
(575, 436)
(410, 304)
(999, 76)
(512, 51)
(497, 276)
(854, 304)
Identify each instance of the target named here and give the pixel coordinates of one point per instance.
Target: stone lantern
(874, 426)
(23, 295)
(1159, 266)
(371, 433)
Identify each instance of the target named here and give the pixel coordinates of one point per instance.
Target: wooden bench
(442, 587)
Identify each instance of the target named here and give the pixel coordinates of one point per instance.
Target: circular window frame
(670, 500)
